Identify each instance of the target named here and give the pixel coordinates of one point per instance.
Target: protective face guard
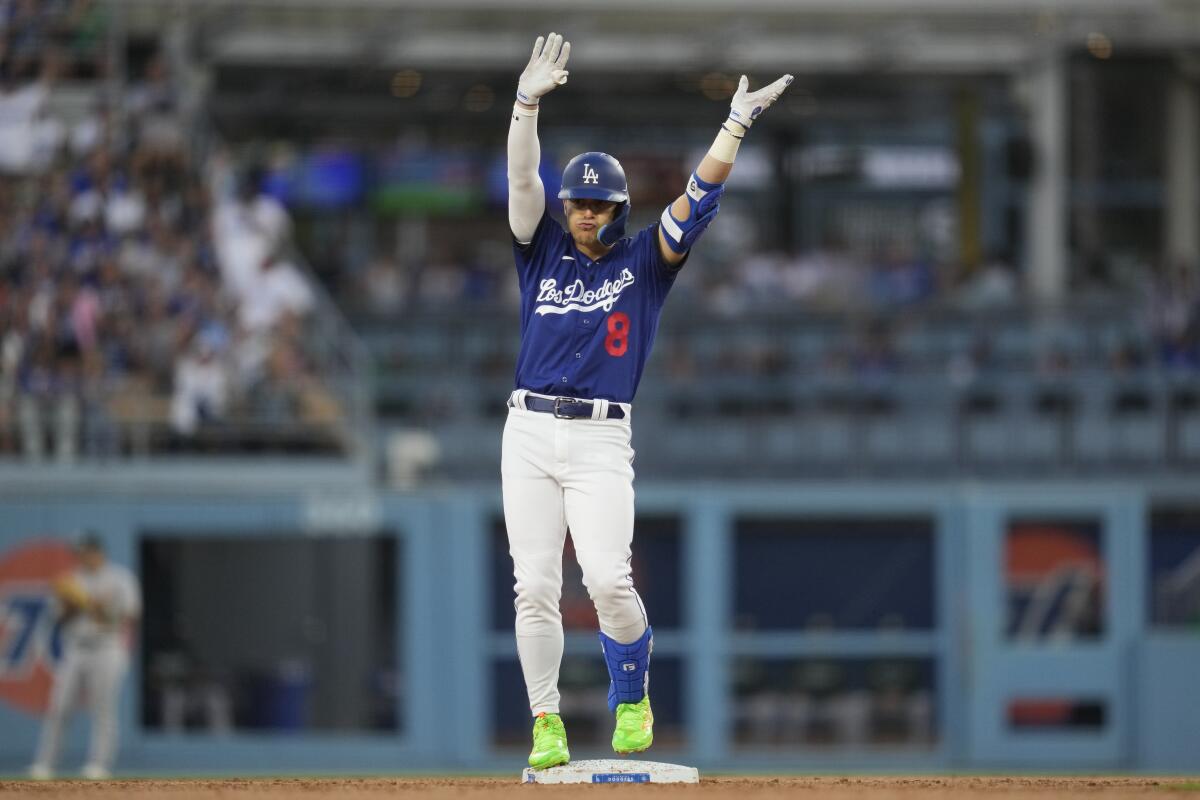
(611, 233)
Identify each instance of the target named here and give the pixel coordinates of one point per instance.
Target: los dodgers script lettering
(576, 297)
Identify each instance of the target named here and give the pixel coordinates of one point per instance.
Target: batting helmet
(598, 176)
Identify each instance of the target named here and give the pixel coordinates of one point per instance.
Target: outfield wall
(299, 622)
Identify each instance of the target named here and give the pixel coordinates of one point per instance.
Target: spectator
(1175, 310)
(152, 102)
(1180, 352)
(899, 278)
(383, 289)
(160, 336)
(101, 437)
(279, 289)
(12, 354)
(278, 394)
(246, 229)
(49, 385)
(201, 385)
(29, 136)
(993, 284)
(92, 131)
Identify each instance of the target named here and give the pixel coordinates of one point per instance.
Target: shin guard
(628, 668)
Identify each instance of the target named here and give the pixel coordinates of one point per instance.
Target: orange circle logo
(29, 640)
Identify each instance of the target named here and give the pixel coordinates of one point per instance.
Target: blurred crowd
(869, 318)
(817, 280)
(146, 300)
(881, 300)
(70, 33)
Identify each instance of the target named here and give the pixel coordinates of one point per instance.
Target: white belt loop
(599, 409)
(518, 398)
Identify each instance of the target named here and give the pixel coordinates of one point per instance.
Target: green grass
(1189, 786)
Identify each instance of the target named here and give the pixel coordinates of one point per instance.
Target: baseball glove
(70, 593)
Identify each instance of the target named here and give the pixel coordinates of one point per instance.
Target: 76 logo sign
(28, 633)
(30, 636)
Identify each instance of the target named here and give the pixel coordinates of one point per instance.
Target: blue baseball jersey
(587, 326)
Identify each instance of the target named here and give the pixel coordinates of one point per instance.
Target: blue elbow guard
(628, 668)
(703, 201)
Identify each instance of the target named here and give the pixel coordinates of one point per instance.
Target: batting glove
(746, 106)
(546, 69)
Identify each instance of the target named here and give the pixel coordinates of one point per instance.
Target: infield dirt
(742, 788)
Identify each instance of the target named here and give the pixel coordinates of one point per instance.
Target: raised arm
(545, 72)
(686, 218)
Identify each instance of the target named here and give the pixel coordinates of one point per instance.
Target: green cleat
(635, 727)
(549, 742)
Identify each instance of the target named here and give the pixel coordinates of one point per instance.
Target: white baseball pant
(561, 474)
(97, 672)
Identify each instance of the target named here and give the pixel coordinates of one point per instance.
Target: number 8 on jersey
(617, 341)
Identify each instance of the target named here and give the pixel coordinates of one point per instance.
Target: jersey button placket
(583, 335)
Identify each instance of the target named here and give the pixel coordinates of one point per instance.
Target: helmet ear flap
(611, 233)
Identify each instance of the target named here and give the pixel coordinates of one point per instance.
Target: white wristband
(725, 147)
(524, 112)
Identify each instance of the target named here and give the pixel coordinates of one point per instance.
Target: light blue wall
(446, 643)
(1166, 729)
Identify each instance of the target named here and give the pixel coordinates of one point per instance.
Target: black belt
(569, 407)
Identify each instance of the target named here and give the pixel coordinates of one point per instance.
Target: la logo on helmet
(590, 175)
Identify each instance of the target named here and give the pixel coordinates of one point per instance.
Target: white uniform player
(590, 303)
(97, 603)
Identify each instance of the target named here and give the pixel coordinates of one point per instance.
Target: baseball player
(590, 302)
(96, 604)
